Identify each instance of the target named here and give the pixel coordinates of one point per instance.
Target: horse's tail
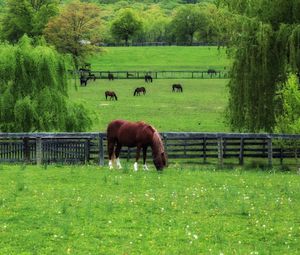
(116, 97)
(134, 93)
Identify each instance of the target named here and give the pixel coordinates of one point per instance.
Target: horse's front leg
(144, 158)
(138, 150)
(117, 153)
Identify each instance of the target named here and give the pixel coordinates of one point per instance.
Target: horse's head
(160, 161)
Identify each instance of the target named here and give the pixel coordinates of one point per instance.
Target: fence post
(204, 150)
(101, 150)
(270, 152)
(86, 150)
(241, 156)
(26, 149)
(39, 151)
(220, 151)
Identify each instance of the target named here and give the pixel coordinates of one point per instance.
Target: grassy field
(159, 58)
(91, 210)
(199, 108)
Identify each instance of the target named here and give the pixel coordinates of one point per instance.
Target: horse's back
(130, 133)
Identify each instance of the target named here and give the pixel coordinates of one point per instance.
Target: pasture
(159, 58)
(184, 210)
(199, 108)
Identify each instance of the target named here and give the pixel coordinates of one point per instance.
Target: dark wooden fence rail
(81, 148)
(161, 74)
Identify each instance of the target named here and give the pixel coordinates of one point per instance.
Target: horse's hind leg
(117, 153)
(110, 147)
(138, 150)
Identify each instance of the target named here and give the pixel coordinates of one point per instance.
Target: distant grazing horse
(148, 78)
(177, 87)
(137, 91)
(135, 134)
(110, 94)
(110, 77)
(211, 72)
(84, 79)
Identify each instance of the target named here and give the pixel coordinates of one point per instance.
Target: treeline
(120, 21)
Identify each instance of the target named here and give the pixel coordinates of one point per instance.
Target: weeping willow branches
(33, 88)
(264, 55)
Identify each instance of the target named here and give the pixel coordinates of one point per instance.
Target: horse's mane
(157, 142)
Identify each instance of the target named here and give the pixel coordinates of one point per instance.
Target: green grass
(199, 108)
(159, 58)
(91, 210)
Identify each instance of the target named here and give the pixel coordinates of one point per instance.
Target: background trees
(26, 17)
(126, 25)
(75, 30)
(187, 21)
(33, 88)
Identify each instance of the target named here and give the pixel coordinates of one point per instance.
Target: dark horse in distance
(148, 78)
(212, 72)
(110, 94)
(85, 79)
(138, 91)
(110, 77)
(135, 134)
(177, 87)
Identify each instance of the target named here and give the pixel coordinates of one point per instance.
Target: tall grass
(184, 210)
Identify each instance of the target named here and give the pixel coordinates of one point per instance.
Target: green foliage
(34, 90)
(126, 24)
(288, 121)
(74, 30)
(187, 21)
(266, 44)
(26, 17)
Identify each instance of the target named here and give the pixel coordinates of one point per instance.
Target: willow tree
(33, 89)
(266, 48)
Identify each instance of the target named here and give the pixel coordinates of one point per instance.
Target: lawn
(199, 108)
(184, 210)
(159, 58)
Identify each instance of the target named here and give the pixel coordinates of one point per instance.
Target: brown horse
(110, 94)
(137, 91)
(135, 134)
(177, 87)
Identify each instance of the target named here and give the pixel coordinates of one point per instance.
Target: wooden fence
(80, 148)
(224, 74)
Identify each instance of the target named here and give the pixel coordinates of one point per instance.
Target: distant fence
(80, 148)
(160, 44)
(161, 74)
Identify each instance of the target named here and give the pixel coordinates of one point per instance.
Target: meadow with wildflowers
(184, 210)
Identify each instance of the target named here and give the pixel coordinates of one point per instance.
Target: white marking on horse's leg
(118, 163)
(145, 167)
(110, 164)
(135, 166)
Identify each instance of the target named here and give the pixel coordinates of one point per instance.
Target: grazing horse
(177, 87)
(110, 77)
(211, 72)
(137, 91)
(83, 80)
(110, 94)
(148, 78)
(135, 134)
